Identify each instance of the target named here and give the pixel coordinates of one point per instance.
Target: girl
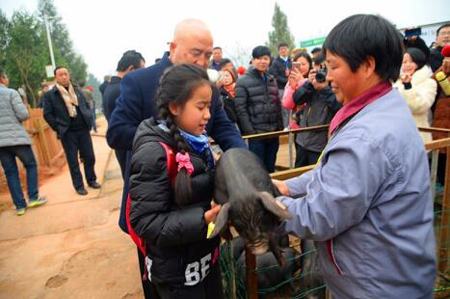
(172, 216)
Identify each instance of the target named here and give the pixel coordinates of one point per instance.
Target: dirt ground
(71, 247)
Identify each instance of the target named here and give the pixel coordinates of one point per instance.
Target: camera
(321, 75)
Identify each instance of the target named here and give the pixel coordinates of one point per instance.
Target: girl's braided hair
(176, 86)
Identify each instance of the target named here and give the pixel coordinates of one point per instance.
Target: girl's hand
(294, 78)
(282, 187)
(406, 78)
(210, 215)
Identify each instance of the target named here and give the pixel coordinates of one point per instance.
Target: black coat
(110, 96)
(137, 102)
(176, 237)
(56, 114)
(278, 70)
(228, 104)
(257, 104)
(321, 106)
(103, 86)
(436, 58)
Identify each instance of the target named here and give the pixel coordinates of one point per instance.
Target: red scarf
(358, 104)
(230, 89)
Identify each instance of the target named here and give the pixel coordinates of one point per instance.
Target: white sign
(49, 70)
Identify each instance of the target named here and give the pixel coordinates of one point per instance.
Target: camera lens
(321, 75)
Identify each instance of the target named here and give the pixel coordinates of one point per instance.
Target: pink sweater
(288, 101)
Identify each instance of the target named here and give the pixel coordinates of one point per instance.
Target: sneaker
(38, 202)
(20, 212)
(94, 185)
(81, 191)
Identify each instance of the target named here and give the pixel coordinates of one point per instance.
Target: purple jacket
(368, 206)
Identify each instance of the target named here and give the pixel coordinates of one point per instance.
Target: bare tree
(238, 54)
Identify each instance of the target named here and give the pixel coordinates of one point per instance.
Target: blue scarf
(199, 144)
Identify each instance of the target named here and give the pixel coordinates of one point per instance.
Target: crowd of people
(367, 204)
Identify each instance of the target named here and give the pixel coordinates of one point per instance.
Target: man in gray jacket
(15, 142)
(368, 204)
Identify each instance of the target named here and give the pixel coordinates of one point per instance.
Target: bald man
(192, 43)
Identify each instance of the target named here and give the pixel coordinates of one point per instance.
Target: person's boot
(95, 185)
(81, 191)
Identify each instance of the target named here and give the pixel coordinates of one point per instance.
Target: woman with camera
(320, 107)
(417, 87)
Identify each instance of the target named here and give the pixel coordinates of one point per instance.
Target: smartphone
(296, 66)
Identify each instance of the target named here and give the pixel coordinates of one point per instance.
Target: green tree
(25, 54)
(4, 36)
(280, 32)
(62, 44)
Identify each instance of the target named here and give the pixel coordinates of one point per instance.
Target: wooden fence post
(252, 278)
(443, 250)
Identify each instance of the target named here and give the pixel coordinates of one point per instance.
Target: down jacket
(258, 107)
(12, 113)
(321, 106)
(178, 251)
(420, 97)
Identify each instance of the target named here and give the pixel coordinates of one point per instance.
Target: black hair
(282, 44)
(2, 73)
(130, 58)
(306, 56)
(315, 50)
(157, 60)
(441, 27)
(260, 51)
(176, 86)
(417, 56)
(223, 62)
(319, 59)
(359, 37)
(58, 68)
(417, 42)
(217, 48)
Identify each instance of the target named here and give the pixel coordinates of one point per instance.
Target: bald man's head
(192, 43)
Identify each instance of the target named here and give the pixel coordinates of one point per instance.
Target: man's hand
(210, 215)
(282, 187)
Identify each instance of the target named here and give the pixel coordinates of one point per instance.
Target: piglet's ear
(274, 206)
(221, 220)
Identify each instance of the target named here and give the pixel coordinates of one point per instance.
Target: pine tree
(280, 32)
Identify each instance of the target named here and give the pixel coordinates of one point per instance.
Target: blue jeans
(266, 150)
(8, 156)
